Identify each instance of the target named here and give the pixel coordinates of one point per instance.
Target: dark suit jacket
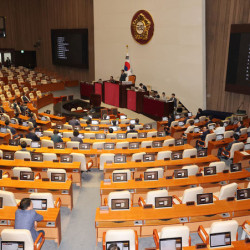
(238, 129)
(12, 130)
(33, 122)
(173, 99)
(123, 77)
(74, 138)
(32, 136)
(145, 88)
(229, 146)
(74, 122)
(204, 134)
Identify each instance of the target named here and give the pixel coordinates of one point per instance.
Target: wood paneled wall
(220, 14)
(28, 21)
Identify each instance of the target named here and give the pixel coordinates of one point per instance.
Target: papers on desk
(126, 82)
(244, 153)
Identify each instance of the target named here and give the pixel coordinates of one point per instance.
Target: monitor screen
(123, 117)
(190, 114)
(147, 126)
(164, 119)
(179, 142)
(39, 133)
(247, 146)
(14, 142)
(100, 136)
(13, 121)
(109, 146)
(59, 126)
(151, 175)
(142, 135)
(220, 239)
(243, 194)
(70, 47)
(157, 144)
(180, 173)
(77, 127)
(94, 122)
(121, 136)
(210, 170)
(25, 124)
(119, 204)
(225, 124)
(120, 177)
(162, 202)
(161, 134)
(181, 124)
(122, 245)
(44, 118)
(128, 128)
(26, 176)
(58, 177)
(35, 144)
(84, 146)
(176, 155)
(36, 157)
(66, 158)
(120, 159)
(81, 136)
(235, 167)
(202, 153)
(148, 157)
(39, 204)
(134, 145)
(211, 126)
(196, 129)
(3, 130)
(59, 145)
(177, 117)
(132, 121)
(203, 199)
(196, 120)
(95, 128)
(170, 244)
(115, 128)
(8, 155)
(219, 137)
(12, 245)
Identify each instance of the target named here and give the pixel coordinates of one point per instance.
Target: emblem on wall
(142, 27)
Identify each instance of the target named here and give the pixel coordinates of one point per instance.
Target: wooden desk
(44, 124)
(22, 189)
(4, 138)
(192, 138)
(213, 146)
(244, 159)
(175, 186)
(19, 128)
(158, 218)
(51, 223)
(137, 168)
(161, 125)
(50, 87)
(54, 118)
(42, 167)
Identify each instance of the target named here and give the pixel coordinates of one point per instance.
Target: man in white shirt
(163, 96)
(220, 129)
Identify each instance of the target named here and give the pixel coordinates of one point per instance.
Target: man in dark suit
(31, 135)
(173, 99)
(123, 76)
(239, 127)
(111, 79)
(142, 87)
(74, 122)
(12, 130)
(33, 120)
(55, 137)
(132, 129)
(201, 142)
(199, 113)
(226, 150)
(75, 136)
(25, 99)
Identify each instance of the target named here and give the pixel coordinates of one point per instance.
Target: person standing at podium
(123, 76)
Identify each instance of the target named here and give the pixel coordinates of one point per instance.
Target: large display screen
(238, 65)
(70, 47)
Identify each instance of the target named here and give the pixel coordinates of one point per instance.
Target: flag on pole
(127, 66)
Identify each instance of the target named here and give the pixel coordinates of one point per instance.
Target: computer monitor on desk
(122, 245)
(121, 136)
(39, 204)
(120, 177)
(59, 145)
(134, 145)
(148, 157)
(132, 121)
(58, 177)
(176, 155)
(179, 142)
(94, 128)
(3, 130)
(119, 204)
(220, 239)
(115, 128)
(151, 176)
(170, 244)
(142, 135)
(36, 157)
(196, 129)
(100, 136)
(25, 124)
(8, 155)
(85, 146)
(181, 123)
(66, 158)
(120, 159)
(247, 146)
(180, 173)
(219, 137)
(157, 144)
(123, 117)
(26, 176)
(109, 146)
(9, 245)
(94, 122)
(147, 126)
(210, 170)
(203, 199)
(235, 167)
(202, 153)
(39, 133)
(35, 144)
(243, 194)
(161, 134)
(163, 202)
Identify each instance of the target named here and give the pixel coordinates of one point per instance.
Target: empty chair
(121, 235)
(89, 135)
(243, 131)
(79, 108)
(151, 195)
(104, 158)
(220, 166)
(152, 134)
(164, 155)
(85, 166)
(124, 121)
(111, 136)
(53, 80)
(174, 123)
(23, 235)
(122, 171)
(31, 95)
(105, 122)
(48, 197)
(138, 127)
(236, 147)
(39, 94)
(168, 142)
(229, 134)
(47, 133)
(189, 153)
(173, 232)
(2, 96)
(8, 199)
(47, 143)
(189, 194)
(43, 81)
(9, 95)
(124, 144)
(132, 135)
(192, 170)
(57, 171)
(67, 134)
(138, 156)
(27, 140)
(67, 126)
(160, 171)
(73, 109)
(72, 144)
(17, 170)
(202, 118)
(209, 137)
(21, 155)
(98, 145)
(49, 157)
(118, 195)
(219, 227)
(226, 191)
(145, 144)
(17, 93)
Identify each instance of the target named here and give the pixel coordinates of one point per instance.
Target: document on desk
(244, 153)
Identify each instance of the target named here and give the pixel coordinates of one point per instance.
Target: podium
(135, 100)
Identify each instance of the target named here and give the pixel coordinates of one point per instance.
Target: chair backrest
(202, 118)
(22, 155)
(52, 170)
(248, 139)
(111, 136)
(189, 129)
(27, 140)
(190, 194)
(67, 134)
(189, 120)
(225, 226)
(78, 157)
(163, 155)
(122, 144)
(47, 143)
(228, 190)
(228, 134)
(121, 171)
(209, 137)
(192, 170)
(174, 123)
(138, 156)
(168, 142)
(122, 235)
(132, 135)
(220, 166)
(119, 195)
(145, 144)
(67, 126)
(98, 145)
(152, 133)
(151, 195)
(72, 144)
(17, 170)
(236, 147)
(160, 171)
(49, 157)
(47, 196)
(243, 131)
(47, 133)
(124, 121)
(176, 231)
(138, 126)
(187, 153)
(104, 158)
(8, 198)
(22, 235)
(89, 135)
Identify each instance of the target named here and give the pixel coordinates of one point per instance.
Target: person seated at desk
(111, 79)
(209, 120)
(204, 133)
(75, 136)
(191, 124)
(123, 76)
(31, 135)
(88, 122)
(220, 129)
(132, 129)
(171, 118)
(111, 131)
(156, 95)
(55, 137)
(173, 99)
(226, 150)
(137, 121)
(239, 127)
(74, 122)
(163, 96)
(23, 145)
(100, 81)
(27, 218)
(12, 130)
(185, 118)
(113, 124)
(32, 120)
(24, 98)
(199, 113)
(142, 87)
